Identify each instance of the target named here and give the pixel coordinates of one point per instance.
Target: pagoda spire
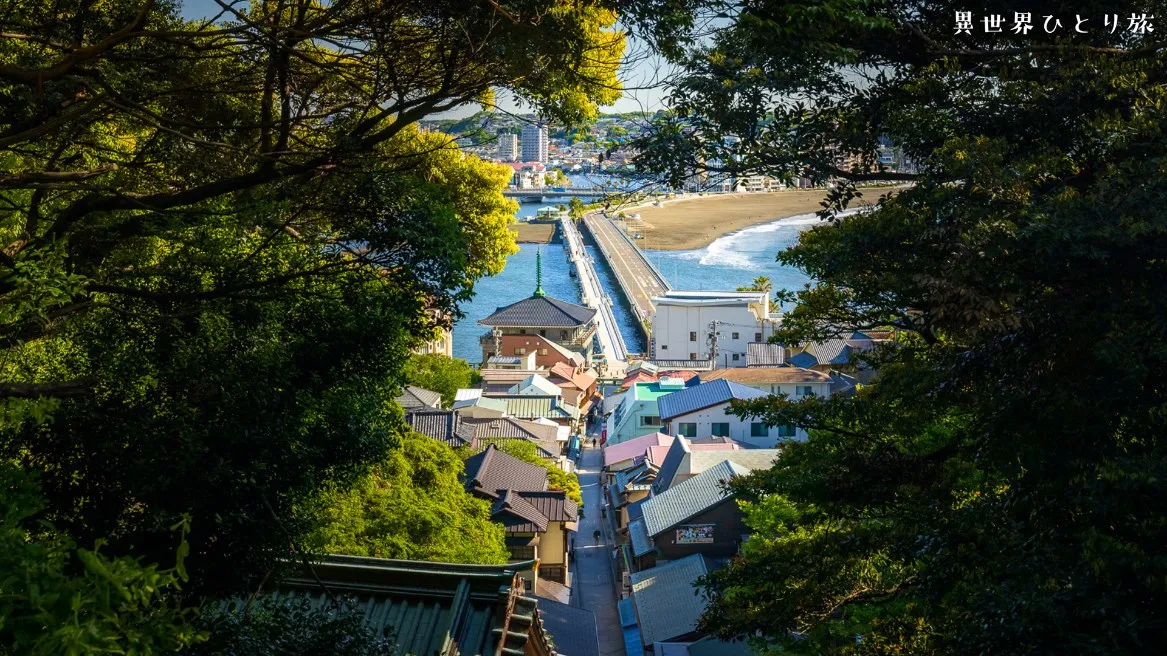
(538, 274)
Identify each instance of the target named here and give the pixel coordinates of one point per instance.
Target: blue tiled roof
(703, 396)
(804, 360)
(632, 644)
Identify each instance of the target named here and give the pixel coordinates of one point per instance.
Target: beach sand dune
(694, 223)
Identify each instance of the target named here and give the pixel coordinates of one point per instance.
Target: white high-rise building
(534, 143)
(508, 146)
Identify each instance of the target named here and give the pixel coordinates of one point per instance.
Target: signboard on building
(695, 534)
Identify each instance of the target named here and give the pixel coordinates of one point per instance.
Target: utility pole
(713, 341)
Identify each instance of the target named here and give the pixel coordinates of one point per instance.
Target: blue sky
(641, 71)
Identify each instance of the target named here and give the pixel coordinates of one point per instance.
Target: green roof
(533, 407)
(431, 608)
(650, 391)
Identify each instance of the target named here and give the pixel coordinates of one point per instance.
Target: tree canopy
(440, 373)
(220, 241)
(999, 489)
(411, 506)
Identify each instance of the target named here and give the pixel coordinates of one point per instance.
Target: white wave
(737, 249)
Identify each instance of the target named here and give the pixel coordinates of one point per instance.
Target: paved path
(592, 586)
(636, 275)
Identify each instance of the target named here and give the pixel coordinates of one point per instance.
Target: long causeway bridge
(638, 278)
(592, 292)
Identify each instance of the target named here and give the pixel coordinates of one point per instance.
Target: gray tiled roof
(690, 497)
(544, 437)
(832, 351)
(702, 396)
(638, 536)
(516, 514)
(667, 603)
(765, 354)
(636, 509)
(441, 425)
(540, 311)
(573, 630)
(493, 470)
(418, 397)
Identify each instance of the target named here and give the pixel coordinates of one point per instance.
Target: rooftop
(418, 397)
(634, 448)
(703, 396)
(492, 470)
(688, 498)
(540, 312)
(760, 375)
(652, 391)
(667, 603)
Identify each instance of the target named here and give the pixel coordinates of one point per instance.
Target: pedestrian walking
(596, 535)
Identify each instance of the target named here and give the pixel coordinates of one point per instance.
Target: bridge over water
(639, 279)
(593, 294)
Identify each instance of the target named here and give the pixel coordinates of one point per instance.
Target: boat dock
(593, 295)
(638, 278)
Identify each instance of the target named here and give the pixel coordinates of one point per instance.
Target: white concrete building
(700, 411)
(794, 382)
(535, 145)
(508, 146)
(691, 325)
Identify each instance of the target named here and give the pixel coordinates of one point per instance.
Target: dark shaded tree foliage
(219, 242)
(999, 490)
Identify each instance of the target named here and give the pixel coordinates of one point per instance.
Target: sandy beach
(533, 233)
(692, 223)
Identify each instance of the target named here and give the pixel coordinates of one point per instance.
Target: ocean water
(731, 261)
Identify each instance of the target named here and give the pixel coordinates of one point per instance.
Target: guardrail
(644, 258)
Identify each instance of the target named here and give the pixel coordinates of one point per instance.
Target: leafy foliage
(59, 599)
(440, 373)
(999, 490)
(411, 506)
(291, 627)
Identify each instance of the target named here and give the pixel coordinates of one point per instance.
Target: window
(757, 337)
(522, 331)
(543, 351)
(735, 357)
(786, 430)
(692, 335)
(520, 351)
(803, 390)
(692, 356)
(687, 429)
(664, 347)
(649, 420)
(735, 336)
(564, 334)
(543, 332)
(720, 429)
(758, 429)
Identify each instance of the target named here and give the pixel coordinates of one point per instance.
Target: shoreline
(692, 223)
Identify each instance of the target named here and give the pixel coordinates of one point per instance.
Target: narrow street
(592, 585)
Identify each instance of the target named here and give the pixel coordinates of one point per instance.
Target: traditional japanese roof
(418, 397)
(705, 395)
(765, 354)
(486, 402)
(638, 537)
(635, 448)
(672, 461)
(572, 629)
(688, 498)
(701, 460)
(430, 607)
(668, 604)
(553, 504)
(442, 425)
(516, 514)
(832, 351)
(767, 375)
(533, 407)
(563, 350)
(467, 394)
(491, 471)
(540, 312)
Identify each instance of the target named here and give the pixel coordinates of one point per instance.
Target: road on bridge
(638, 278)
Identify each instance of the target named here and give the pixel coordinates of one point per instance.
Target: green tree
(297, 626)
(999, 489)
(576, 208)
(760, 284)
(411, 506)
(440, 373)
(220, 242)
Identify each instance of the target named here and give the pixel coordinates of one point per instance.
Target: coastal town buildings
(701, 411)
(507, 149)
(711, 325)
(638, 413)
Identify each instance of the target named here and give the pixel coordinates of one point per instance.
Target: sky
(641, 74)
